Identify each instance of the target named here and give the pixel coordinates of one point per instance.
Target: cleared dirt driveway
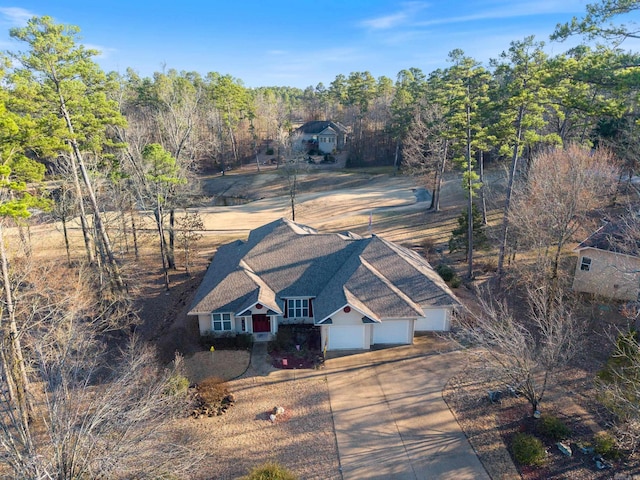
(391, 421)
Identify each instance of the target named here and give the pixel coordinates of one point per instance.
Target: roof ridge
(421, 265)
(392, 286)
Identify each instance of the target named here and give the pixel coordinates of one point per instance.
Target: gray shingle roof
(285, 259)
(620, 236)
(317, 126)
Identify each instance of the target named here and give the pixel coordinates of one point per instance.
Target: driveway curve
(391, 421)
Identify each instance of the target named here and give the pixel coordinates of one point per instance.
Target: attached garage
(347, 337)
(434, 320)
(393, 331)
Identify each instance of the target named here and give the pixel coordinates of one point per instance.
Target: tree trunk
(438, 187)
(16, 369)
(134, 232)
(165, 267)
(396, 158)
(470, 199)
(66, 238)
(83, 215)
(116, 277)
(125, 234)
(171, 257)
(482, 190)
(507, 203)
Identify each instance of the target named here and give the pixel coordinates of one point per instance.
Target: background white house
(608, 262)
(322, 135)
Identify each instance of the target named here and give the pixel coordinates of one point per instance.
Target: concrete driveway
(391, 421)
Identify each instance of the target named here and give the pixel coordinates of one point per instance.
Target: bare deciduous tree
(562, 187)
(526, 350)
(619, 387)
(190, 229)
(97, 413)
(293, 167)
(425, 149)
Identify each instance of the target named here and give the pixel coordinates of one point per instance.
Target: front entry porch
(261, 327)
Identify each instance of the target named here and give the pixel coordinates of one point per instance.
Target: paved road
(391, 421)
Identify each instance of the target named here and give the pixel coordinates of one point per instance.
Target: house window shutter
(311, 307)
(286, 308)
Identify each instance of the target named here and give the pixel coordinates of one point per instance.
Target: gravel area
(301, 439)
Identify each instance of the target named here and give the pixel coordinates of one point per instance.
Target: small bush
(527, 449)
(553, 428)
(455, 282)
(269, 151)
(284, 340)
(177, 385)
(270, 471)
(446, 272)
(605, 444)
(244, 341)
(212, 391)
(429, 246)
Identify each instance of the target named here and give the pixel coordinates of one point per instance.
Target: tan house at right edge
(608, 262)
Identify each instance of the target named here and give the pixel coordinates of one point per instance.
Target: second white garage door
(347, 337)
(393, 331)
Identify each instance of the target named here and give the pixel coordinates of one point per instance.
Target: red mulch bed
(295, 360)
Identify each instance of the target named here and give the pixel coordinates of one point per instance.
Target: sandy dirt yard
(302, 439)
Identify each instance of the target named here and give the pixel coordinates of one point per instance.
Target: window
(221, 322)
(585, 264)
(298, 307)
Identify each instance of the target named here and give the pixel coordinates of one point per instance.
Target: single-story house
(358, 291)
(608, 262)
(322, 135)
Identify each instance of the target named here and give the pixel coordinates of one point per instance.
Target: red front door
(261, 323)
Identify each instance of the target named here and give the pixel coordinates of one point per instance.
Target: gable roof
(619, 236)
(318, 126)
(284, 259)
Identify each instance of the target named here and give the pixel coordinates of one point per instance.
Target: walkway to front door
(261, 323)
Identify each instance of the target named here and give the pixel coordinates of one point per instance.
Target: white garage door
(393, 331)
(346, 337)
(434, 320)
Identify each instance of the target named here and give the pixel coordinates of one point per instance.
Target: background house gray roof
(317, 126)
(620, 236)
(285, 259)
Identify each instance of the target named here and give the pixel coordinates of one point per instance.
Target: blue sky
(294, 43)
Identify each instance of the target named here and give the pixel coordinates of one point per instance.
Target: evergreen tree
(459, 236)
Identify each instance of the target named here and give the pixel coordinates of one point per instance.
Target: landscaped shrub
(177, 385)
(527, 449)
(428, 246)
(446, 272)
(270, 471)
(605, 444)
(284, 339)
(244, 341)
(553, 428)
